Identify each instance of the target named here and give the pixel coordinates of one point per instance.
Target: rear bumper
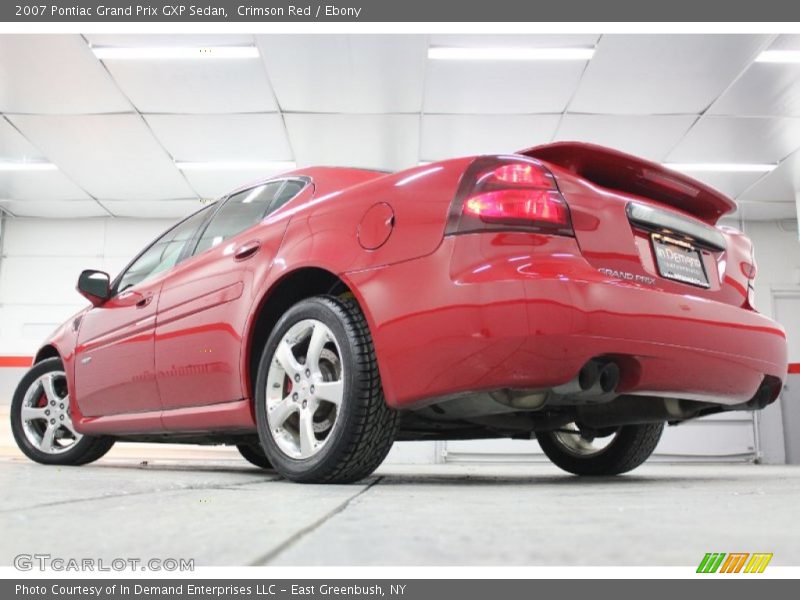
(526, 311)
(675, 346)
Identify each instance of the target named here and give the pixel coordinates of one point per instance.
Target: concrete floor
(222, 512)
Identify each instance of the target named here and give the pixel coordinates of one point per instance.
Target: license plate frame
(679, 261)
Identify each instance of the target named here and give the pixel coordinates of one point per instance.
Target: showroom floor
(223, 512)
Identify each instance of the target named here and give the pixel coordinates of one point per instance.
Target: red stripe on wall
(16, 361)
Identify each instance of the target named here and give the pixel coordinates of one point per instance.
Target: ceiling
(116, 128)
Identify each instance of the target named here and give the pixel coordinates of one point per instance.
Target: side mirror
(95, 286)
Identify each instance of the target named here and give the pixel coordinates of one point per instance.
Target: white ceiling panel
(14, 146)
(370, 141)
(212, 183)
(54, 209)
(500, 86)
(31, 185)
(109, 156)
(738, 140)
(448, 136)
(187, 86)
(662, 74)
(138, 40)
(651, 136)
(765, 89)
(781, 185)
(569, 40)
(54, 74)
(349, 74)
(160, 209)
(767, 211)
(222, 137)
(38, 185)
(729, 183)
(786, 42)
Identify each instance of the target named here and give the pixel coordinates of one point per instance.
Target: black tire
(87, 449)
(631, 446)
(253, 454)
(365, 426)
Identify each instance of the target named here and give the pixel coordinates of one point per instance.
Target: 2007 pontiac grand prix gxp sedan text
(568, 292)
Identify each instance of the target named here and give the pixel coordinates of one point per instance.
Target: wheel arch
(292, 287)
(45, 352)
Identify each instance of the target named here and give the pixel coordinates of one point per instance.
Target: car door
(115, 365)
(204, 304)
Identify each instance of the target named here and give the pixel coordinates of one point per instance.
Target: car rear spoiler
(625, 173)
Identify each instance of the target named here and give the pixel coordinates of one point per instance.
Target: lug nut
(297, 377)
(308, 372)
(61, 406)
(311, 389)
(47, 412)
(61, 417)
(52, 421)
(305, 403)
(294, 396)
(52, 402)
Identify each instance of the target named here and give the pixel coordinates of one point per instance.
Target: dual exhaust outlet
(596, 381)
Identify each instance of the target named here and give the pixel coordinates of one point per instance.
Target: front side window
(163, 254)
(245, 209)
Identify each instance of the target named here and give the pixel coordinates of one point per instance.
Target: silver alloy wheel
(305, 388)
(45, 414)
(571, 440)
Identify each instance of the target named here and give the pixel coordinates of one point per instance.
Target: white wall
(41, 260)
(778, 257)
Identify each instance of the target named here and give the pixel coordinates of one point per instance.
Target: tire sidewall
(612, 460)
(340, 438)
(76, 453)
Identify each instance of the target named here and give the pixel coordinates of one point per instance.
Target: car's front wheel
(618, 452)
(320, 408)
(41, 419)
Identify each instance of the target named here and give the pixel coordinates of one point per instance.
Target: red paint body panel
(114, 368)
(448, 313)
(508, 313)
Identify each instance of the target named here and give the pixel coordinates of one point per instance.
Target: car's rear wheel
(320, 407)
(621, 451)
(253, 454)
(41, 419)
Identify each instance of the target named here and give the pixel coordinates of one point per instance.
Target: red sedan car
(568, 293)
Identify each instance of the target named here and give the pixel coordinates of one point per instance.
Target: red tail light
(509, 193)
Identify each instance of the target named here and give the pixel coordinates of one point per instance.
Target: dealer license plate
(679, 261)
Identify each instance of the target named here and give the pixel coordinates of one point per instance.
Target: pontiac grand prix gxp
(568, 293)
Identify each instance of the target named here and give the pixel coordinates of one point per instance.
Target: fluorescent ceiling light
(241, 165)
(722, 167)
(509, 53)
(779, 56)
(173, 52)
(27, 166)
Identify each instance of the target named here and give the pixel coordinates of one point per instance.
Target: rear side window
(246, 209)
